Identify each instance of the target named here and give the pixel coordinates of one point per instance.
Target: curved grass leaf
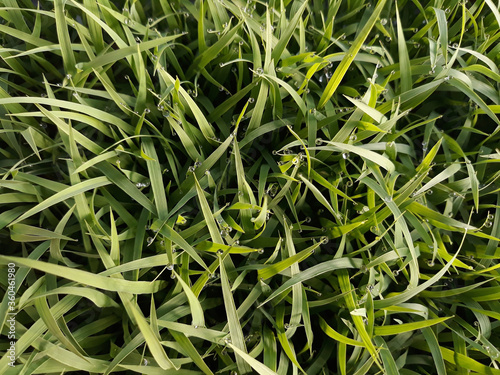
(348, 58)
(87, 278)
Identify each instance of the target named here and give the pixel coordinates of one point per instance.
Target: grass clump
(251, 187)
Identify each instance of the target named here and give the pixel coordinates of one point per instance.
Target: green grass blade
(404, 60)
(350, 55)
(337, 336)
(256, 365)
(233, 320)
(315, 271)
(87, 278)
(194, 303)
(407, 327)
(63, 195)
(64, 39)
(154, 345)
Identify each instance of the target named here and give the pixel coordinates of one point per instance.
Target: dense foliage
(272, 187)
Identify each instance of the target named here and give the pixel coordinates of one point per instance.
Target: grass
(275, 187)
